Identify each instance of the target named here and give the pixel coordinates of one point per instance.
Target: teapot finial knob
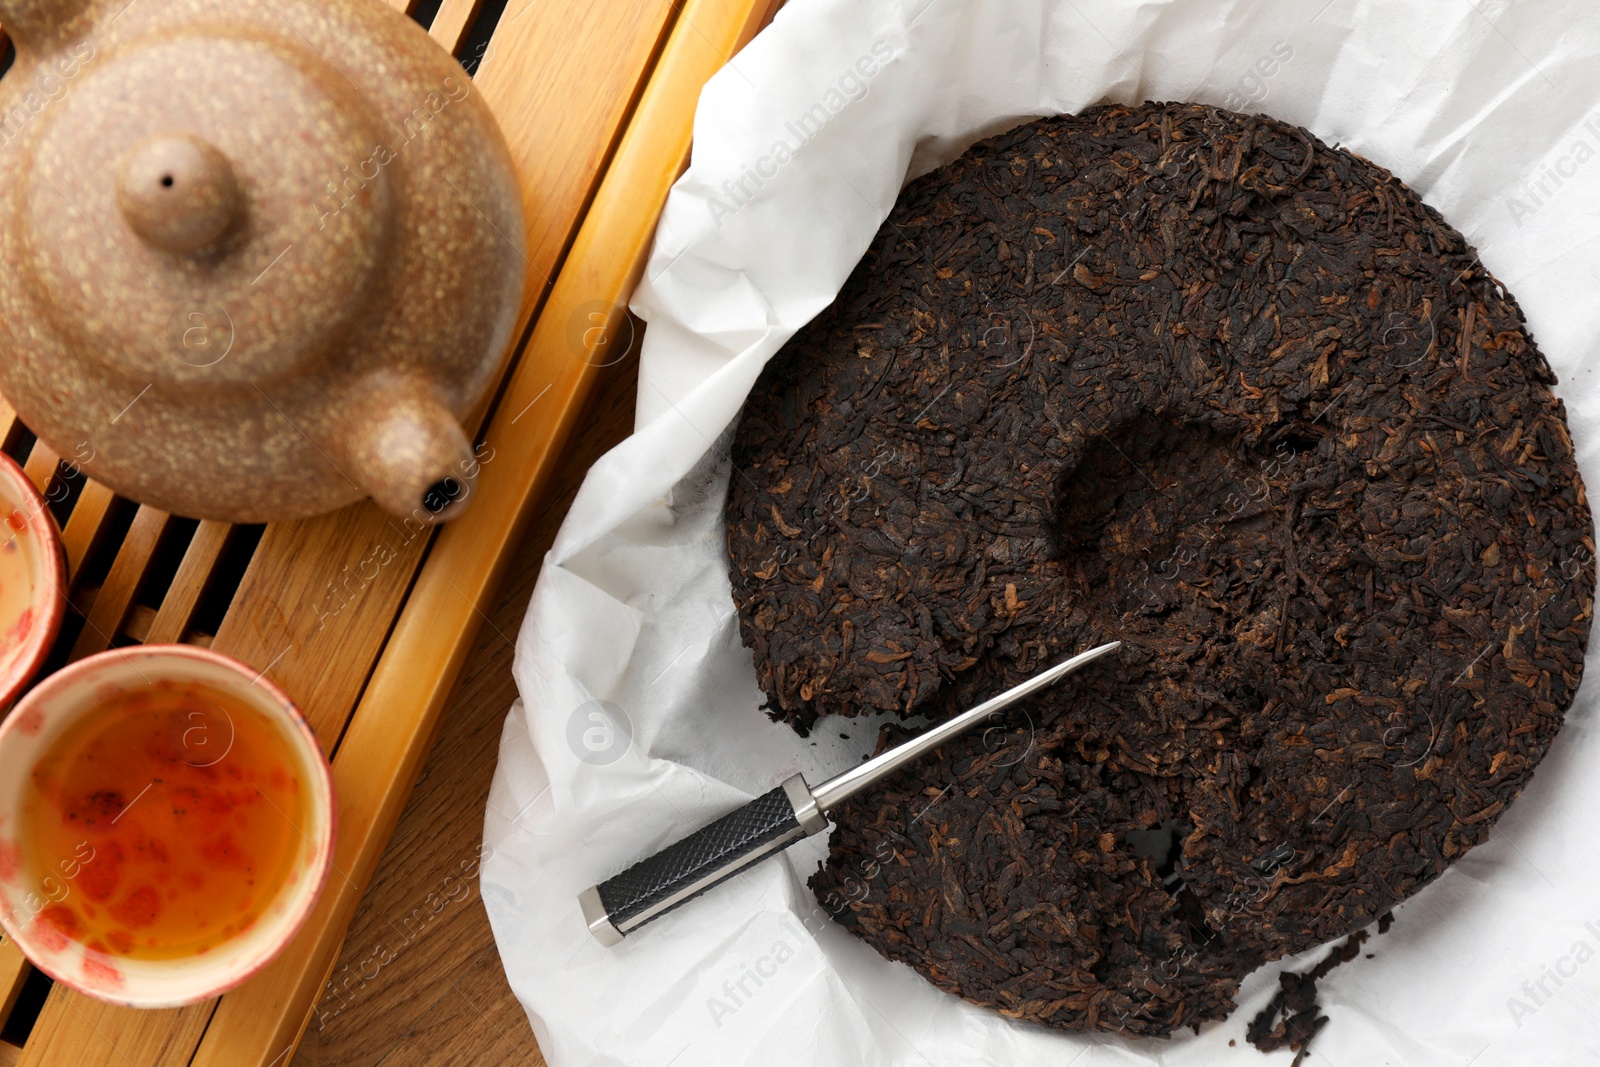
(177, 192)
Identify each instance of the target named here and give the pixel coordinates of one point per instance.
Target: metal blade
(842, 787)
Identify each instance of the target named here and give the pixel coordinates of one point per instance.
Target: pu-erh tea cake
(1196, 381)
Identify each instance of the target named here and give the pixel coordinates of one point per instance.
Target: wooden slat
(10, 1055)
(104, 617)
(451, 23)
(14, 970)
(546, 82)
(357, 1022)
(386, 741)
(41, 466)
(136, 627)
(80, 1032)
(315, 606)
(87, 524)
(8, 421)
(177, 607)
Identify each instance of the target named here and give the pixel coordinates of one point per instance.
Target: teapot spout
(404, 447)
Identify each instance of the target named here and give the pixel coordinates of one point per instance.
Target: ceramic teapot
(258, 258)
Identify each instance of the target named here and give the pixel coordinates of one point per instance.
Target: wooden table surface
(419, 981)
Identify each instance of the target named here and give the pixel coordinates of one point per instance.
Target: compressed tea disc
(1196, 381)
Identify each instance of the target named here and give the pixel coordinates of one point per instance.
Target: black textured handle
(683, 871)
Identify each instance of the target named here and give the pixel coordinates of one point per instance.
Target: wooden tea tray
(597, 102)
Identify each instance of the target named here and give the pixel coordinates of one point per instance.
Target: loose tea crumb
(1196, 381)
(1296, 1004)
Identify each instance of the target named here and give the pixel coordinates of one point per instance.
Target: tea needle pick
(772, 822)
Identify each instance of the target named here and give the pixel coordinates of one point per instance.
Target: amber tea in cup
(171, 827)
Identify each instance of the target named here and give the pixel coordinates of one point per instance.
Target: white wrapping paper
(639, 718)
